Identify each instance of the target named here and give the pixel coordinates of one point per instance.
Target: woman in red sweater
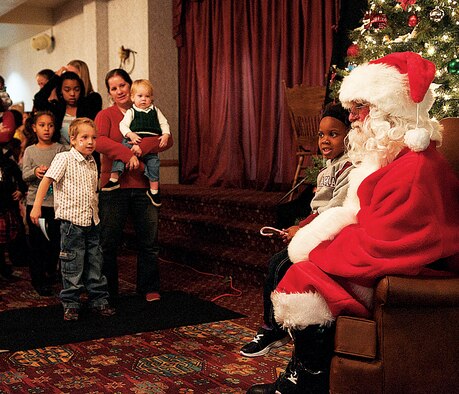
(131, 198)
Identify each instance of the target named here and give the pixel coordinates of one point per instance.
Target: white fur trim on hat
(300, 310)
(384, 87)
(417, 139)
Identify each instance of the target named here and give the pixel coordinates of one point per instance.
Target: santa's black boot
(308, 370)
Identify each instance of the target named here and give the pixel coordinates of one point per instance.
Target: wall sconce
(125, 58)
(43, 41)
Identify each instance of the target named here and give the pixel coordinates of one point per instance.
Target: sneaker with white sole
(110, 185)
(154, 198)
(71, 314)
(264, 341)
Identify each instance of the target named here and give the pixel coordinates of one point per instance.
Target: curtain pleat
(233, 56)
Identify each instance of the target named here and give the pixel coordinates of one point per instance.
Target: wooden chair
(304, 105)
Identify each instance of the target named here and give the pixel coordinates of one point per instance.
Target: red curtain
(233, 56)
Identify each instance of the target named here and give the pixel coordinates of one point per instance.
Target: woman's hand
(136, 150)
(62, 70)
(133, 163)
(3, 128)
(17, 195)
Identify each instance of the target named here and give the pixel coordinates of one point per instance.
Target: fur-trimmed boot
(308, 370)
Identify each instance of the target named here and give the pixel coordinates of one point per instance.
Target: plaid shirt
(75, 188)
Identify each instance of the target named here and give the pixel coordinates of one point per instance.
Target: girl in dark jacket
(71, 102)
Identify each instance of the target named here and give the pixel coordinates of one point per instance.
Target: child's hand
(17, 195)
(134, 138)
(290, 233)
(35, 214)
(136, 150)
(163, 140)
(40, 171)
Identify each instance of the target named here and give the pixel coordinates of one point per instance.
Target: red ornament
(367, 20)
(406, 3)
(413, 20)
(353, 50)
(376, 21)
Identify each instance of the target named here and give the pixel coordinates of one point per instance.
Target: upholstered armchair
(411, 344)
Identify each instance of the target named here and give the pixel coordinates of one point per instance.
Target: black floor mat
(31, 328)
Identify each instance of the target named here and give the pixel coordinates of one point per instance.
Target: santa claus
(401, 214)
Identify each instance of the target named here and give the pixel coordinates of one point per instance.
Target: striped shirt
(75, 187)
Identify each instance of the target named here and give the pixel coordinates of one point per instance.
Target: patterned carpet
(194, 359)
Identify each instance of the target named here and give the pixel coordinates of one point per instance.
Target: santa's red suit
(408, 218)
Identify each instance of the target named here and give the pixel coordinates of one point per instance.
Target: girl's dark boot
(308, 370)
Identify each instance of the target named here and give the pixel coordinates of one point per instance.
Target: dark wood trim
(169, 163)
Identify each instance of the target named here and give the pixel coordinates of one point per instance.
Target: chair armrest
(355, 337)
(418, 291)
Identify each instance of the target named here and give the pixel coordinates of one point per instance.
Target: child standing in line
(12, 188)
(141, 121)
(37, 158)
(74, 176)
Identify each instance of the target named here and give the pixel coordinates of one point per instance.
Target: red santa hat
(399, 85)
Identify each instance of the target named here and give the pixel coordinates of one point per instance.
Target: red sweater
(109, 146)
(409, 217)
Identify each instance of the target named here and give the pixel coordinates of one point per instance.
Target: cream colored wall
(128, 26)
(93, 31)
(20, 62)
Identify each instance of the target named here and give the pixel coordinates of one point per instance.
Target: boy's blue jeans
(151, 161)
(277, 267)
(81, 265)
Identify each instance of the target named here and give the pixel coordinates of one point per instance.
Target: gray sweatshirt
(332, 184)
(33, 158)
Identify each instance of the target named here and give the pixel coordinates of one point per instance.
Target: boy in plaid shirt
(74, 176)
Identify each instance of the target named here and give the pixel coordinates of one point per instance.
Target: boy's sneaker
(153, 296)
(264, 341)
(110, 185)
(155, 198)
(71, 314)
(104, 310)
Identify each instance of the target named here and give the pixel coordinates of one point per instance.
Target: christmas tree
(430, 28)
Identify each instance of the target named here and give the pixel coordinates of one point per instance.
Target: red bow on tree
(406, 3)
